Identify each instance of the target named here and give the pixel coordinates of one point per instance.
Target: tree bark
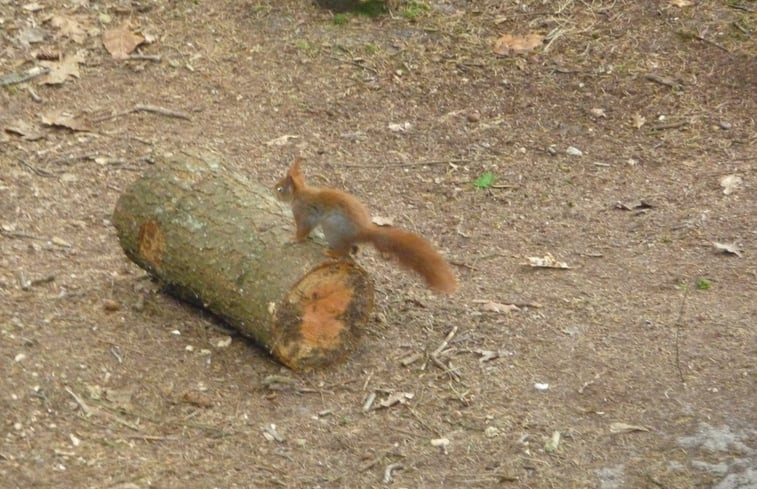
(224, 243)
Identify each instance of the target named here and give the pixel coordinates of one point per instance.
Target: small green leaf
(703, 284)
(415, 9)
(339, 19)
(485, 180)
(302, 44)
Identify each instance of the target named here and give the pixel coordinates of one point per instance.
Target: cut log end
(321, 320)
(151, 242)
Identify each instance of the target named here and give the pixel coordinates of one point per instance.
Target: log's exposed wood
(222, 242)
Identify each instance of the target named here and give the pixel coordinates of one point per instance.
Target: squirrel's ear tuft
(296, 170)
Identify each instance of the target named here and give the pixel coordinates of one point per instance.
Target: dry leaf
(25, 130)
(547, 261)
(728, 248)
(491, 306)
(598, 112)
(731, 183)
(197, 398)
(121, 397)
(633, 206)
(69, 28)
(487, 355)
(626, 428)
(120, 41)
(508, 44)
(61, 118)
(638, 120)
(396, 398)
(682, 3)
(61, 70)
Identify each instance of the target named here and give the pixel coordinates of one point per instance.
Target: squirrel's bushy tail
(415, 253)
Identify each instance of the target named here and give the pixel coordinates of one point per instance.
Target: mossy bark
(224, 243)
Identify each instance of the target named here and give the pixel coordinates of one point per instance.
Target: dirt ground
(623, 144)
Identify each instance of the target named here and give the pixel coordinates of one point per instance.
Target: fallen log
(223, 243)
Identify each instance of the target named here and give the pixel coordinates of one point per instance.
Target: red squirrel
(345, 221)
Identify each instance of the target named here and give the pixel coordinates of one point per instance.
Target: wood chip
(626, 428)
(547, 261)
(60, 242)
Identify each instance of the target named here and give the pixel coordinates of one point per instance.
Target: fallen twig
(110, 116)
(411, 359)
(740, 7)
(664, 81)
(34, 95)
(42, 280)
(711, 43)
(145, 108)
(22, 76)
(450, 161)
(437, 353)
(89, 411)
(355, 63)
(462, 265)
(368, 404)
(145, 57)
(444, 343)
(446, 369)
(151, 437)
(669, 125)
(19, 235)
(388, 471)
(35, 170)
(677, 325)
(519, 305)
(740, 27)
(162, 111)
(71, 158)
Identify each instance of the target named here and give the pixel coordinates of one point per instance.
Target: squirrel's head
(286, 187)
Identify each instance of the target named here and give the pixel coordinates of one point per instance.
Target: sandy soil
(608, 142)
